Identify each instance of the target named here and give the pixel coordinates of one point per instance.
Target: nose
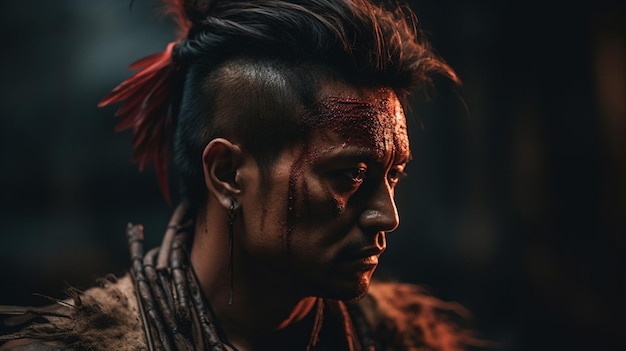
(381, 213)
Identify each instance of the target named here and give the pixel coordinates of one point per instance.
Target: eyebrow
(405, 158)
(353, 154)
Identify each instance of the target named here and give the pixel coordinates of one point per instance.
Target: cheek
(300, 209)
(319, 205)
(323, 222)
(313, 211)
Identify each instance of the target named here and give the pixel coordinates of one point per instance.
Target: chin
(346, 290)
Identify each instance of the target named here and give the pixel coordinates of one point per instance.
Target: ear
(221, 160)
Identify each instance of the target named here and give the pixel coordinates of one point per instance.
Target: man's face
(321, 220)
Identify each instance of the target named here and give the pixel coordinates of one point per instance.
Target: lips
(369, 254)
(370, 260)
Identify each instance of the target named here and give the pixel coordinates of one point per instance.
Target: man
(286, 124)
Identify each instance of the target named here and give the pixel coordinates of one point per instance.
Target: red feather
(149, 98)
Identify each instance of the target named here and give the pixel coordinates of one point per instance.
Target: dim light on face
(329, 202)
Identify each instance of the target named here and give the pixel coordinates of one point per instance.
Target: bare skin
(317, 231)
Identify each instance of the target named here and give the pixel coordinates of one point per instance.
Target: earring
(231, 237)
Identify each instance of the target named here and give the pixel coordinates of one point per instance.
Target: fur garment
(398, 317)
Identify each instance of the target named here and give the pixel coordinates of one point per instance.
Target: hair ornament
(150, 97)
(150, 100)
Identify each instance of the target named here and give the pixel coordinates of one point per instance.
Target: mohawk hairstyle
(249, 70)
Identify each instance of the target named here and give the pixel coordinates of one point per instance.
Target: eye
(357, 175)
(395, 174)
(348, 180)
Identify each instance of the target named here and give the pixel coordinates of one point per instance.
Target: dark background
(516, 201)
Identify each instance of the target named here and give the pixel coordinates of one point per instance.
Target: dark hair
(253, 67)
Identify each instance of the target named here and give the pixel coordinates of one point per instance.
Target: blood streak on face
(294, 174)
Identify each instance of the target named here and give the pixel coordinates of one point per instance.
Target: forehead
(363, 117)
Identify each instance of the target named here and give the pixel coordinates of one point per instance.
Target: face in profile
(321, 221)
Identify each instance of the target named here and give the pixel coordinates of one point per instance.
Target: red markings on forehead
(371, 124)
(354, 120)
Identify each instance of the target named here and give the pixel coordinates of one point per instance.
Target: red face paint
(358, 122)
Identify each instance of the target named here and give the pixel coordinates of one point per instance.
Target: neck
(263, 304)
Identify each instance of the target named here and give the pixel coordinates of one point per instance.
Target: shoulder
(103, 317)
(405, 317)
